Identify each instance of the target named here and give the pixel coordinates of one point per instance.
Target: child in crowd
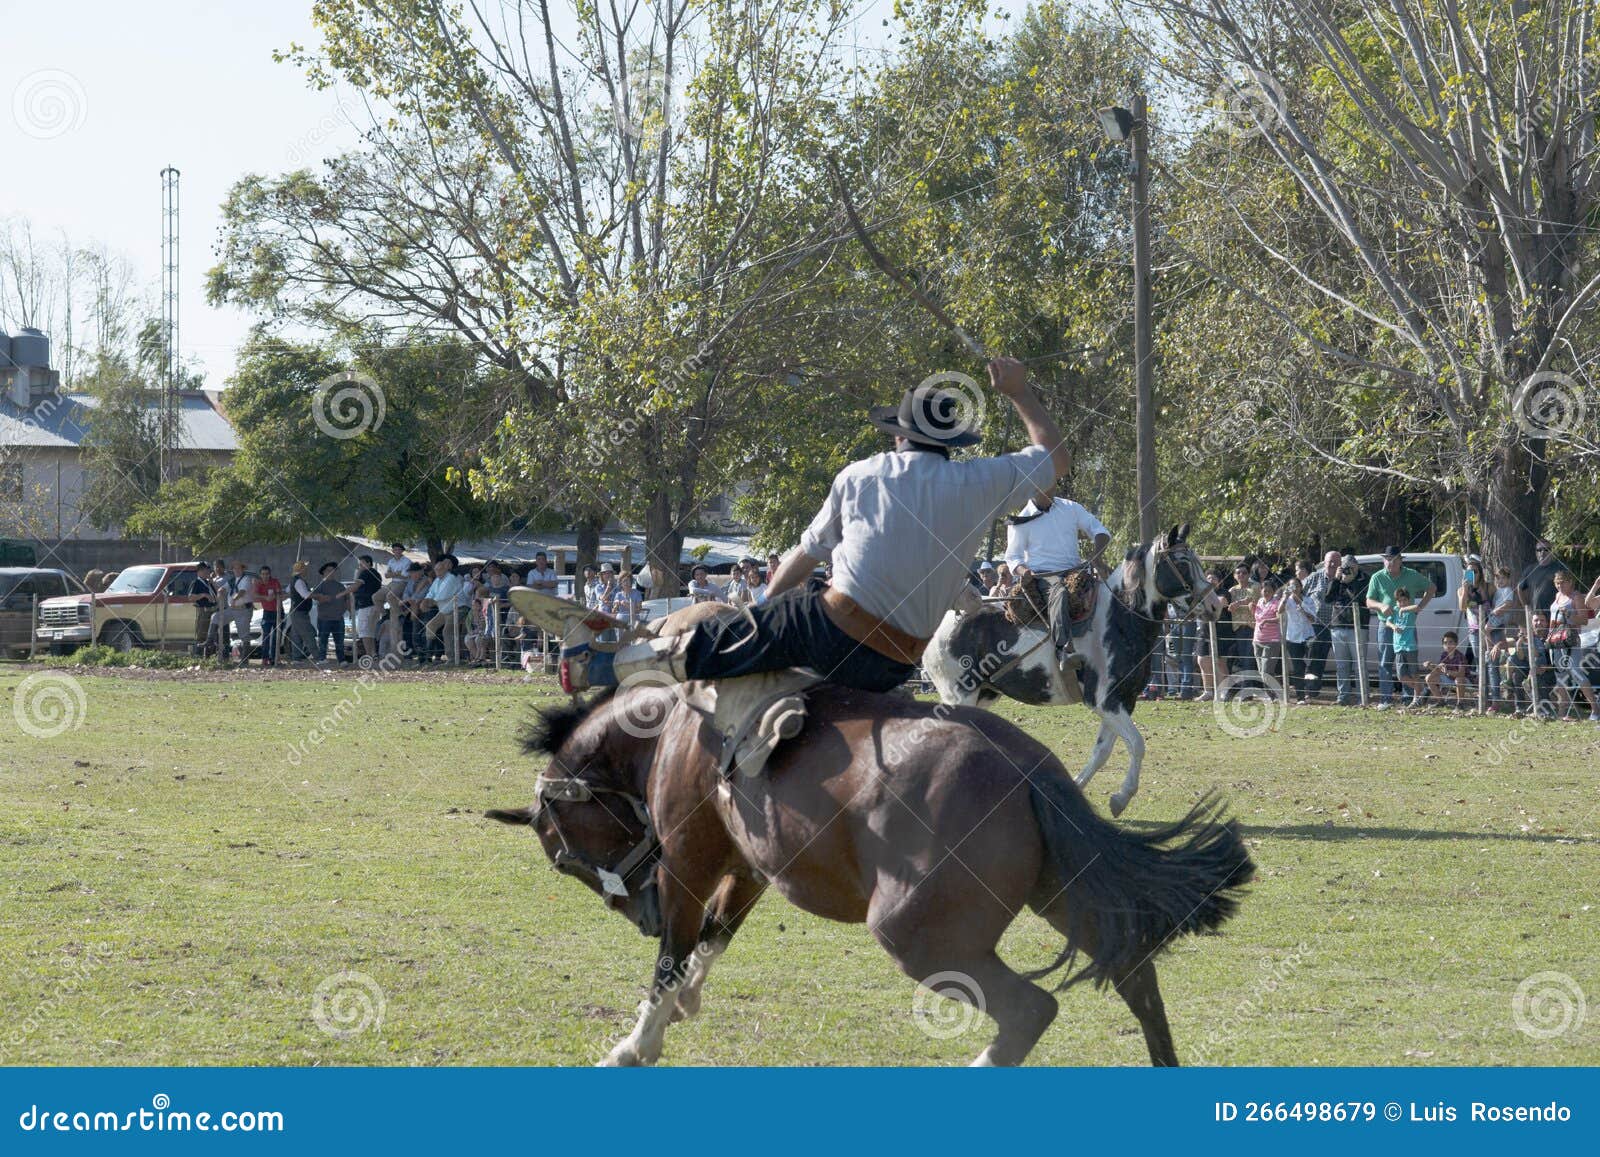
(1268, 637)
(1403, 622)
(1452, 671)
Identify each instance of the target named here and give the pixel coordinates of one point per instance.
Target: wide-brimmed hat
(929, 416)
(1392, 551)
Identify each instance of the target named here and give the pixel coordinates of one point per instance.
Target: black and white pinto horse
(973, 659)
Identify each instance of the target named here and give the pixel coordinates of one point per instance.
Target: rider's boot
(663, 659)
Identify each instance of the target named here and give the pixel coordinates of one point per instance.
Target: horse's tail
(1124, 893)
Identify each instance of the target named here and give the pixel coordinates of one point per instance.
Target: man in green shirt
(1393, 576)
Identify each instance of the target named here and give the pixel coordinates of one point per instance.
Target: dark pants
(330, 629)
(791, 630)
(1317, 656)
(269, 636)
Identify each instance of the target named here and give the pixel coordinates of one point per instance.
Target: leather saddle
(1029, 604)
(753, 714)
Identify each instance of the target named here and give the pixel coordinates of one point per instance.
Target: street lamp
(1121, 124)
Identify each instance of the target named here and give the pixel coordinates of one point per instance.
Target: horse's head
(589, 807)
(1165, 571)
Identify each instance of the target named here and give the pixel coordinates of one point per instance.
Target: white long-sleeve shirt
(900, 527)
(1049, 542)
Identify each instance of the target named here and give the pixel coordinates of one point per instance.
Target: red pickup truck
(146, 606)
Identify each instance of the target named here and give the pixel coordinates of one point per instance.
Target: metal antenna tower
(171, 370)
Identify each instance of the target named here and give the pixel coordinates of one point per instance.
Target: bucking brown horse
(934, 825)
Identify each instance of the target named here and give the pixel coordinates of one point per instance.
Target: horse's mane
(552, 726)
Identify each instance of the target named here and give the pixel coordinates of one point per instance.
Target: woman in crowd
(627, 600)
(1268, 631)
(1570, 614)
(302, 639)
(1299, 628)
(1213, 663)
(1241, 605)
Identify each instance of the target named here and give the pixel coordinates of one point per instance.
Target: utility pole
(1143, 344)
(1128, 124)
(171, 405)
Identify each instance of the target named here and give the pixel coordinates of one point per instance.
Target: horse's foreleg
(682, 914)
(1135, 745)
(1103, 743)
(736, 895)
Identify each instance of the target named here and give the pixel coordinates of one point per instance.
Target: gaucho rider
(899, 529)
(1042, 546)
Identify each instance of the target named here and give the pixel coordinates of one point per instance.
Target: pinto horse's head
(589, 808)
(1165, 571)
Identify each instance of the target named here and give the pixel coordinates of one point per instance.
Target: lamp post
(1121, 124)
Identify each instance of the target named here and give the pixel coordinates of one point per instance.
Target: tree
(122, 441)
(1448, 155)
(380, 447)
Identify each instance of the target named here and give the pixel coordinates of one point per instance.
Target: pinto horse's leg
(736, 895)
(1138, 988)
(1103, 743)
(1134, 742)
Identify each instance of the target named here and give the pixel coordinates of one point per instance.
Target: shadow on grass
(1332, 833)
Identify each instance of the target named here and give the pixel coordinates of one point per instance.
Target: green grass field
(176, 888)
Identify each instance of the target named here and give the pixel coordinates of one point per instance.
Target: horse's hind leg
(1138, 988)
(1103, 743)
(736, 895)
(1020, 1009)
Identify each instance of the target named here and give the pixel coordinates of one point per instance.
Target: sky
(98, 96)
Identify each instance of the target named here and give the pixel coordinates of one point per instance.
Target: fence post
(1283, 666)
(455, 632)
(494, 618)
(1361, 654)
(1216, 684)
(33, 628)
(1483, 662)
(1533, 666)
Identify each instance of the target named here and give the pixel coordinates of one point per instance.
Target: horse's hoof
(621, 1057)
(1119, 804)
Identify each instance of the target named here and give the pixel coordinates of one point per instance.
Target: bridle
(570, 789)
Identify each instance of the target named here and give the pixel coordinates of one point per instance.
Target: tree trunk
(435, 547)
(1509, 503)
(589, 526)
(663, 546)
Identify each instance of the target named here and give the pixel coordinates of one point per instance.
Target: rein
(570, 789)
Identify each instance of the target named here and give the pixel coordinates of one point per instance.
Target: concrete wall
(57, 477)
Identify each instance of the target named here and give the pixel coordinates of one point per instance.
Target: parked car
(20, 589)
(147, 606)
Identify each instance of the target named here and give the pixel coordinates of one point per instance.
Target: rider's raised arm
(1010, 377)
